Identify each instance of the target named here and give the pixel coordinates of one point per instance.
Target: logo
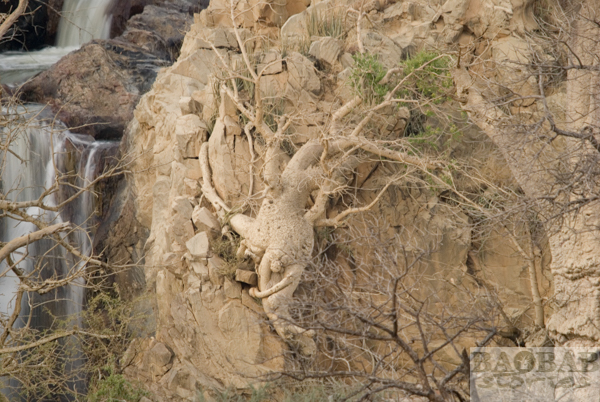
(535, 374)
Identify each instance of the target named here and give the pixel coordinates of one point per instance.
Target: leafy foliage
(115, 388)
(431, 82)
(366, 77)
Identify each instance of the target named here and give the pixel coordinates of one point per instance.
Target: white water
(41, 150)
(16, 67)
(81, 21)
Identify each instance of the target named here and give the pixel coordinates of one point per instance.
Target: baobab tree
(297, 192)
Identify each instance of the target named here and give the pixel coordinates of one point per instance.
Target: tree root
(207, 188)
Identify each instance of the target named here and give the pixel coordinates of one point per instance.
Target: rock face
(211, 330)
(158, 30)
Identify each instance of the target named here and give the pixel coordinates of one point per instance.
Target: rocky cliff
(210, 332)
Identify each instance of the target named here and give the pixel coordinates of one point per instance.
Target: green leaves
(430, 82)
(366, 77)
(427, 77)
(115, 388)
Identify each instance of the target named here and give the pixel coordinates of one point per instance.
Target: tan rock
(453, 13)
(220, 157)
(294, 30)
(190, 133)
(181, 228)
(160, 359)
(251, 303)
(208, 101)
(231, 126)
(232, 318)
(232, 289)
(390, 54)
(326, 50)
(216, 269)
(223, 38)
(302, 74)
(201, 269)
(192, 186)
(271, 63)
(189, 105)
(197, 66)
(205, 221)
(248, 277)
(346, 60)
(199, 246)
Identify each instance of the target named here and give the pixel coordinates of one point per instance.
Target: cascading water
(42, 150)
(81, 21)
(39, 152)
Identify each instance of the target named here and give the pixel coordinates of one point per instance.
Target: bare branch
(13, 17)
(22, 241)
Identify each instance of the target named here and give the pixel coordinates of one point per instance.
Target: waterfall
(82, 21)
(40, 150)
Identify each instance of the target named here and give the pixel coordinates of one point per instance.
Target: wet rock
(159, 30)
(95, 89)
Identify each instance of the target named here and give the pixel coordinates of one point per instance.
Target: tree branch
(19, 242)
(13, 17)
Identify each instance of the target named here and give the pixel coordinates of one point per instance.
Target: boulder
(159, 30)
(160, 359)
(249, 13)
(326, 50)
(198, 246)
(232, 289)
(302, 74)
(221, 161)
(204, 220)
(197, 66)
(95, 89)
(216, 268)
(181, 223)
(294, 30)
(188, 105)
(271, 62)
(390, 54)
(248, 277)
(453, 13)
